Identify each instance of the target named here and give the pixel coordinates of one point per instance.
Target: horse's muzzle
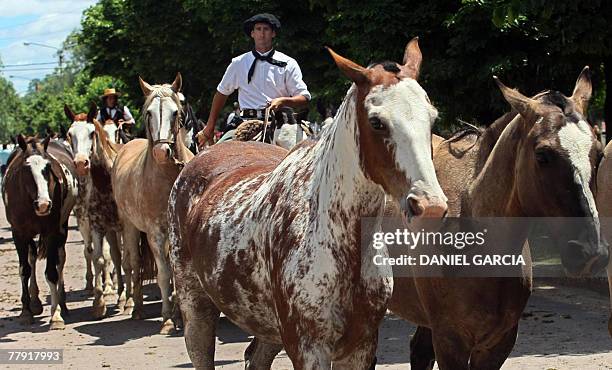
(42, 207)
(162, 153)
(82, 165)
(426, 207)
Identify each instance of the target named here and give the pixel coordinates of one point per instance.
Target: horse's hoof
(36, 306)
(99, 311)
(128, 311)
(108, 292)
(167, 327)
(137, 315)
(26, 318)
(178, 323)
(57, 325)
(121, 303)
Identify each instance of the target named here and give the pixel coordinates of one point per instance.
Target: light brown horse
(540, 162)
(604, 206)
(145, 170)
(274, 240)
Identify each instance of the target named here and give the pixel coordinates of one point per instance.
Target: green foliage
(11, 112)
(529, 44)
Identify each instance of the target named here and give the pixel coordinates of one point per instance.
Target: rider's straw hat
(109, 92)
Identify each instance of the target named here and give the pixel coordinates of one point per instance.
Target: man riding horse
(111, 111)
(264, 77)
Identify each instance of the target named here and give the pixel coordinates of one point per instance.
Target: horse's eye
(544, 156)
(376, 123)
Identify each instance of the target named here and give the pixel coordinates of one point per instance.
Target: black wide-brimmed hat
(261, 18)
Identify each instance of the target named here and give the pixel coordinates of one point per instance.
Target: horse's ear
(583, 90)
(177, 83)
(21, 142)
(145, 87)
(69, 113)
(46, 142)
(527, 107)
(412, 59)
(352, 70)
(93, 111)
(63, 132)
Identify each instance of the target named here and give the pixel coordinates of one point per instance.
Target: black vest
(116, 117)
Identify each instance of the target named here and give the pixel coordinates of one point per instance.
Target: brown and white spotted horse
(273, 239)
(39, 191)
(94, 156)
(145, 170)
(78, 136)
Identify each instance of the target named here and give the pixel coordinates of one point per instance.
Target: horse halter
(180, 125)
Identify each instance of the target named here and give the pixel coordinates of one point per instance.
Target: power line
(26, 64)
(26, 69)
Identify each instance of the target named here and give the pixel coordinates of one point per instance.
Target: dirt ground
(562, 328)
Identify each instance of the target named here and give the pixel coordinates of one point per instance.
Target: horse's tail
(148, 270)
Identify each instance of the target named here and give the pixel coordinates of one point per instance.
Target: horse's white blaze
(111, 130)
(81, 137)
(577, 141)
(409, 116)
(37, 164)
(162, 112)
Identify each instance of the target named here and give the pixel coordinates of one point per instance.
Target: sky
(42, 21)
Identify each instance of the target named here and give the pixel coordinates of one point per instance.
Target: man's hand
(277, 103)
(205, 135)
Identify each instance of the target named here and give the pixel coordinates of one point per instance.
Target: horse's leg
(106, 253)
(494, 357)
(158, 243)
(99, 304)
(610, 288)
(23, 244)
(35, 304)
(259, 355)
(309, 356)
(126, 300)
(363, 356)
(52, 273)
(452, 351)
(200, 317)
(131, 242)
(422, 355)
(115, 251)
(85, 230)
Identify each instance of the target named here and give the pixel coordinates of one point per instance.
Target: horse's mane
(162, 91)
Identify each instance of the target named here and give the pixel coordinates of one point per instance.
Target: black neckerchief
(264, 58)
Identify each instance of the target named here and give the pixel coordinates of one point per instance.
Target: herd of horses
(272, 237)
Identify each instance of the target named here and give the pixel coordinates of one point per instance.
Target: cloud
(41, 7)
(48, 22)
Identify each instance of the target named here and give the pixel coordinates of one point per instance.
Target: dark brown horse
(539, 162)
(39, 191)
(274, 239)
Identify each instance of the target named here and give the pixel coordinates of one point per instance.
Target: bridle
(178, 123)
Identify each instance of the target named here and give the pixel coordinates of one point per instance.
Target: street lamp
(36, 87)
(60, 51)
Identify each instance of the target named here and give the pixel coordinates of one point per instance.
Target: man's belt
(252, 113)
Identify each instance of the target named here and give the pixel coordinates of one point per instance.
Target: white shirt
(268, 81)
(127, 115)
